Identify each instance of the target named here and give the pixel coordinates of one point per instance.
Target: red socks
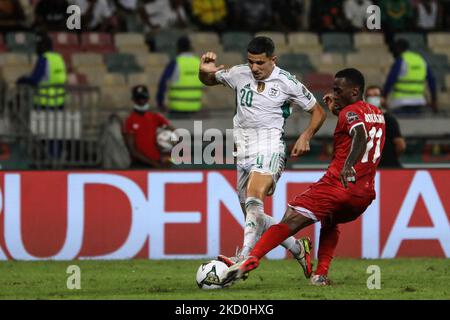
(270, 239)
(329, 237)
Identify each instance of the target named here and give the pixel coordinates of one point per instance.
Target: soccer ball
(210, 274)
(164, 139)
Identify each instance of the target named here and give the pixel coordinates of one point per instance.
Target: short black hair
(183, 44)
(44, 42)
(260, 45)
(353, 77)
(402, 44)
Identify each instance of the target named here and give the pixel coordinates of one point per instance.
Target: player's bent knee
(295, 220)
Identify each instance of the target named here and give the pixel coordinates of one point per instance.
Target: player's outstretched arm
(348, 173)
(208, 69)
(318, 116)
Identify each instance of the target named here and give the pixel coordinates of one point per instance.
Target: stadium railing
(55, 138)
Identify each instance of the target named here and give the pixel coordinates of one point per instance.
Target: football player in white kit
(264, 94)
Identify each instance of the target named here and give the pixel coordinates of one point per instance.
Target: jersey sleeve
(300, 95)
(228, 77)
(351, 118)
(162, 121)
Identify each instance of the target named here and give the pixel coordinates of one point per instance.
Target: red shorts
(330, 204)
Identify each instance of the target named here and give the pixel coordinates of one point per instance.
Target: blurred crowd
(225, 15)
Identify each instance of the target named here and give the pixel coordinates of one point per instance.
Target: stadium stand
(111, 63)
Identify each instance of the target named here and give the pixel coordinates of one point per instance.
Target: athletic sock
(329, 237)
(290, 243)
(270, 239)
(254, 224)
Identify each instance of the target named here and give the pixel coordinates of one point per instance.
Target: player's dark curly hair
(353, 77)
(260, 45)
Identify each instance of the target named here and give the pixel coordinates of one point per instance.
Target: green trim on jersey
(286, 107)
(289, 76)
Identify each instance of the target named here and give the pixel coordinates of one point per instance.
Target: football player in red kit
(346, 189)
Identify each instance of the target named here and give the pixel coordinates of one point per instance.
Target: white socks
(290, 243)
(256, 223)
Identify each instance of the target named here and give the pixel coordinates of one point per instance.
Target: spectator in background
(162, 14)
(396, 15)
(394, 144)
(427, 13)
(49, 77)
(96, 15)
(356, 13)
(445, 20)
(11, 15)
(51, 15)
(49, 71)
(126, 11)
(288, 14)
(251, 15)
(209, 14)
(140, 131)
(180, 80)
(327, 16)
(407, 80)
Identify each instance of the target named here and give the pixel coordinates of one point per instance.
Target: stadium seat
(86, 59)
(279, 39)
(124, 39)
(152, 59)
(10, 74)
(134, 23)
(436, 60)
(416, 40)
(337, 42)
(368, 39)
(74, 78)
(141, 78)
(12, 58)
(130, 43)
(439, 64)
(94, 74)
(204, 41)
(21, 42)
(443, 101)
(357, 59)
(154, 73)
(374, 77)
(362, 60)
(319, 82)
(447, 82)
(328, 62)
(116, 97)
(295, 63)
(230, 59)
(438, 40)
(166, 41)
(65, 41)
(113, 79)
(299, 42)
(98, 42)
(236, 41)
(122, 62)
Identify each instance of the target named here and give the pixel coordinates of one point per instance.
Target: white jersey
(269, 108)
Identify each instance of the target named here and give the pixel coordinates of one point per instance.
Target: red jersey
(143, 126)
(372, 119)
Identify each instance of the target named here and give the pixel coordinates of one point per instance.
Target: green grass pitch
(175, 280)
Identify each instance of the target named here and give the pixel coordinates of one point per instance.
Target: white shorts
(260, 151)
